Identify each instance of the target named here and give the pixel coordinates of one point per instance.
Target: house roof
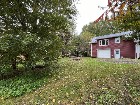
(94, 39)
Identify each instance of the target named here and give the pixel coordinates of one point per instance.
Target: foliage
(102, 28)
(67, 45)
(88, 81)
(25, 83)
(33, 29)
(80, 44)
(24, 45)
(131, 20)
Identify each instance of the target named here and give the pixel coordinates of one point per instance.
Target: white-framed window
(117, 40)
(104, 42)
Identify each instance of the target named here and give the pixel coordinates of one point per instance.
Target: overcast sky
(88, 12)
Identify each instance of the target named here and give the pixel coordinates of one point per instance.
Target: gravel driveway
(124, 60)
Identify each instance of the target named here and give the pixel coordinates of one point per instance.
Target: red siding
(127, 48)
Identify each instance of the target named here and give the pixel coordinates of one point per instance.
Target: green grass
(83, 82)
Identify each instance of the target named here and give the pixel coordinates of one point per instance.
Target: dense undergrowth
(84, 82)
(14, 85)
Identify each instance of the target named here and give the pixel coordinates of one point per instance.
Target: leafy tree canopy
(33, 28)
(102, 28)
(131, 20)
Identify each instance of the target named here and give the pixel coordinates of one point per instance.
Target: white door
(103, 53)
(137, 50)
(117, 53)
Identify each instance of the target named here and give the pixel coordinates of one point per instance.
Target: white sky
(88, 12)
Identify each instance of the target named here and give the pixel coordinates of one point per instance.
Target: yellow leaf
(53, 100)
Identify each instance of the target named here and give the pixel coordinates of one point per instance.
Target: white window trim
(118, 38)
(100, 42)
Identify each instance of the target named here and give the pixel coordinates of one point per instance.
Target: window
(104, 42)
(117, 40)
(117, 52)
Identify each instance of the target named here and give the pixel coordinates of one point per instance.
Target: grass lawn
(84, 82)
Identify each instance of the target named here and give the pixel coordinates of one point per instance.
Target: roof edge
(94, 39)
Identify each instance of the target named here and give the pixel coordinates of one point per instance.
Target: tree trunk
(14, 64)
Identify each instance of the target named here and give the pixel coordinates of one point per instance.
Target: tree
(85, 42)
(102, 28)
(33, 29)
(81, 44)
(131, 20)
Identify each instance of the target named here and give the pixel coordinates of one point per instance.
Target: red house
(114, 46)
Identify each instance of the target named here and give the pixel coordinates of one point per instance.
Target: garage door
(103, 53)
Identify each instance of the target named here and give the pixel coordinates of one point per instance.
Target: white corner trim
(91, 49)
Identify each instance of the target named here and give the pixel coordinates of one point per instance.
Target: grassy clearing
(83, 82)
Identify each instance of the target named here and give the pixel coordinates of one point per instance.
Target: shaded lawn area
(83, 82)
